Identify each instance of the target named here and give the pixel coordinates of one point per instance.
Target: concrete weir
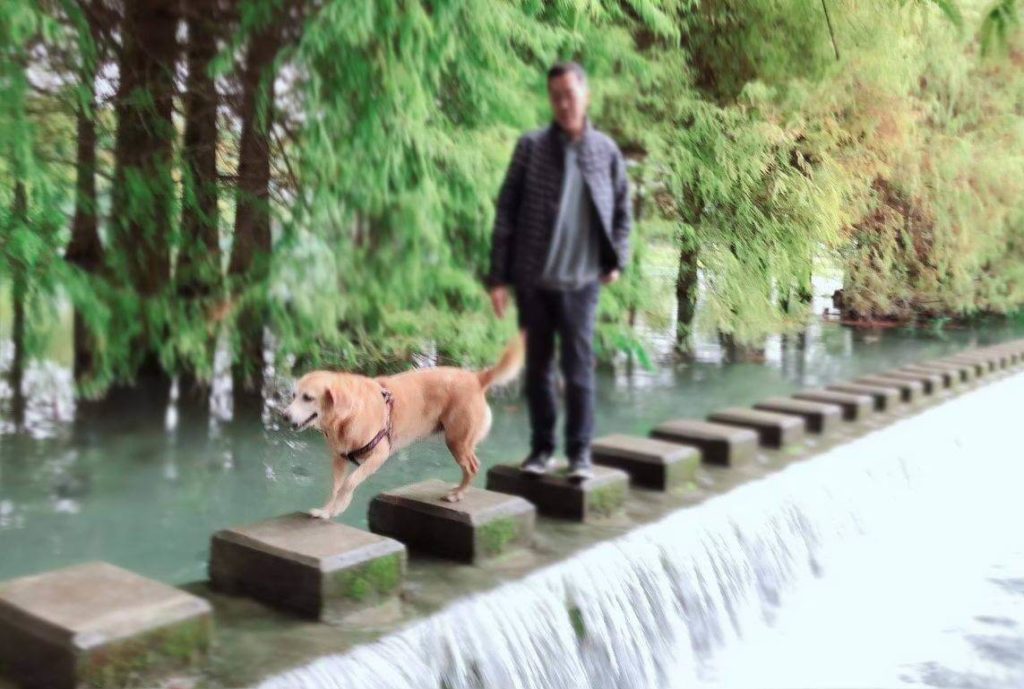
(650, 463)
(98, 624)
(695, 593)
(308, 566)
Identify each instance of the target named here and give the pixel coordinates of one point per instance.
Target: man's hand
(609, 278)
(499, 300)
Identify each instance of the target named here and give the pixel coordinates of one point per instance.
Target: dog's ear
(334, 399)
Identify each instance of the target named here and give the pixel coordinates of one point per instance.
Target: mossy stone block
(484, 524)
(650, 463)
(910, 390)
(98, 625)
(819, 417)
(886, 398)
(966, 372)
(717, 442)
(774, 429)
(855, 406)
(556, 496)
(933, 381)
(308, 566)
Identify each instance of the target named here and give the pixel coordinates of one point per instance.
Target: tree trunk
(198, 276)
(143, 187)
(198, 268)
(739, 353)
(19, 292)
(250, 255)
(686, 299)
(85, 250)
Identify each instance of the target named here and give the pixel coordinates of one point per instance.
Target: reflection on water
(143, 483)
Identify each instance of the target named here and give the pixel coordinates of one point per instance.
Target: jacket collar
(561, 138)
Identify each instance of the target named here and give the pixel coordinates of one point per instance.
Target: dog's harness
(385, 433)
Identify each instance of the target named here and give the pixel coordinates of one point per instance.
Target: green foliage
(751, 147)
(417, 110)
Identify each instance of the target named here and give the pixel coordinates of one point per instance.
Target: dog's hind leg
(465, 456)
(464, 429)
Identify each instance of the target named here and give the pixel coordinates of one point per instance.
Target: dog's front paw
(318, 513)
(454, 496)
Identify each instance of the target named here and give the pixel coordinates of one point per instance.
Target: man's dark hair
(560, 68)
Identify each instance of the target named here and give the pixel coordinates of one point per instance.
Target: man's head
(569, 95)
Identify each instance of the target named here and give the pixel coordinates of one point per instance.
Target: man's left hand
(609, 278)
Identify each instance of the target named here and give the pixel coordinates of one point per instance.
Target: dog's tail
(508, 366)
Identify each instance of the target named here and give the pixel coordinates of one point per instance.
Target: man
(561, 231)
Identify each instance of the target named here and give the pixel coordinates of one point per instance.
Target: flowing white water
(865, 566)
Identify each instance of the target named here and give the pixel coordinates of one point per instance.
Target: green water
(141, 490)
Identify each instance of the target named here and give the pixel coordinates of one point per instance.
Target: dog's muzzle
(300, 426)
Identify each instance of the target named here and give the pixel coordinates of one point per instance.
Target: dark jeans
(572, 315)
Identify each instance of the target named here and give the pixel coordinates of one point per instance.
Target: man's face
(569, 100)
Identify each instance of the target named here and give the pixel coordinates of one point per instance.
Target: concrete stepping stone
(308, 566)
(930, 382)
(482, 525)
(886, 398)
(96, 624)
(819, 417)
(980, 364)
(950, 377)
(650, 463)
(1000, 358)
(773, 429)
(855, 406)
(997, 356)
(910, 390)
(966, 371)
(718, 443)
(556, 496)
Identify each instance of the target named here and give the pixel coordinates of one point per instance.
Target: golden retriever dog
(365, 420)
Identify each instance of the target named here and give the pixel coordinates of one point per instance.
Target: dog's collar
(355, 455)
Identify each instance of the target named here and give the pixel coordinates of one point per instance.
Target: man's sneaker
(536, 463)
(581, 467)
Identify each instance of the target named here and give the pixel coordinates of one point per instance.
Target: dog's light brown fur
(349, 409)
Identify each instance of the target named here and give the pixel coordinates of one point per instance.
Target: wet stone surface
(98, 625)
(484, 524)
(557, 496)
(719, 444)
(773, 429)
(309, 566)
(650, 463)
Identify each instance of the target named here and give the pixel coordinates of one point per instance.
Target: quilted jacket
(528, 203)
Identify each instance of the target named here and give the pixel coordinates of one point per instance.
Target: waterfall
(655, 607)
